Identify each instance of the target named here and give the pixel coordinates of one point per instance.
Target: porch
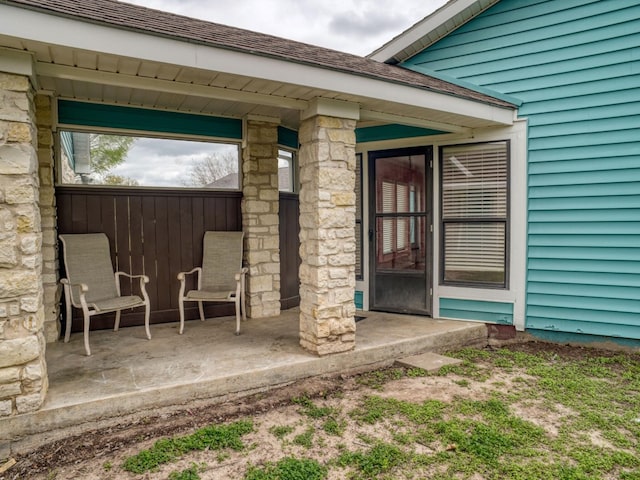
(128, 375)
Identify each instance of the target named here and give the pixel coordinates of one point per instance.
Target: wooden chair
(221, 277)
(92, 285)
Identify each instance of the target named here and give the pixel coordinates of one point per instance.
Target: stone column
(327, 228)
(47, 204)
(260, 221)
(23, 377)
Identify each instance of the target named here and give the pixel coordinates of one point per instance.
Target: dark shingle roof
(134, 17)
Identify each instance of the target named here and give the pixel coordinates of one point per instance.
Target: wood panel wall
(155, 232)
(289, 250)
(159, 233)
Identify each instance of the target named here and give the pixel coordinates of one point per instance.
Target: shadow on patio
(128, 373)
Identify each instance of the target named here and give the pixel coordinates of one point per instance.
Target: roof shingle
(157, 22)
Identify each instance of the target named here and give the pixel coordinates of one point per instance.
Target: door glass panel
(401, 248)
(400, 264)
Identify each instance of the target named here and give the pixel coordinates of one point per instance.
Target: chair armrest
(193, 270)
(241, 274)
(144, 278)
(183, 282)
(83, 286)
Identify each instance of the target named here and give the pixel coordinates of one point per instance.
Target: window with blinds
(475, 193)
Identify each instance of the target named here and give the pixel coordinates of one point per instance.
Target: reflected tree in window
(216, 170)
(106, 153)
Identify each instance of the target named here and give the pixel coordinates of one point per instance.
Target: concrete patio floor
(128, 373)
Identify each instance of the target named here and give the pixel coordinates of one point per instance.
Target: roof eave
(430, 29)
(75, 33)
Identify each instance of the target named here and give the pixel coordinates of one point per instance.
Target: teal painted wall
(494, 312)
(575, 64)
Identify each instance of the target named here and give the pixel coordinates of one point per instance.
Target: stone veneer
(52, 291)
(23, 375)
(260, 221)
(327, 234)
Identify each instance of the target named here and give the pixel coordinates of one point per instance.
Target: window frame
(359, 223)
(475, 220)
(293, 169)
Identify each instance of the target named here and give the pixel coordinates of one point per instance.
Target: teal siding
(495, 312)
(575, 65)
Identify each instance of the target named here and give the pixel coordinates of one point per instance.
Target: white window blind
(388, 201)
(474, 181)
(474, 212)
(402, 206)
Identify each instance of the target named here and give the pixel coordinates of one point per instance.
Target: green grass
(213, 437)
(592, 401)
(311, 410)
(305, 439)
(379, 459)
(191, 473)
(281, 431)
(375, 409)
(378, 378)
(288, 468)
(334, 427)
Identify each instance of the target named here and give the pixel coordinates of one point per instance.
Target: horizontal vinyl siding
(575, 64)
(495, 312)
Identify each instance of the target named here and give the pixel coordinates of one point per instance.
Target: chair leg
(86, 334)
(243, 305)
(117, 324)
(201, 310)
(237, 315)
(67, 328)
(181, 309)
(147, 312)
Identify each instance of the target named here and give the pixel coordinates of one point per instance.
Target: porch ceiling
(85, 61)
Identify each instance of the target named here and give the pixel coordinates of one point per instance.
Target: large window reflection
(124, 160)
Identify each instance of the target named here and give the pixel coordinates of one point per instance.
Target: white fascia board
(444, 14)
(16, 62)
(332, 108)
(73, 33)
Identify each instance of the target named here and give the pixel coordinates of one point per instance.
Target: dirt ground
(99, 454)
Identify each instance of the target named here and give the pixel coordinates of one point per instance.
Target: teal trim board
(392, 132)
(574, 66)
(494, 312)
(142, 119)
(287, 137)
(358, 298)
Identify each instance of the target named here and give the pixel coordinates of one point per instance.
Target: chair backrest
(221, 260)
(87, 260)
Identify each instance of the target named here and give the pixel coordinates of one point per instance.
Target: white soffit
(429, 30)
